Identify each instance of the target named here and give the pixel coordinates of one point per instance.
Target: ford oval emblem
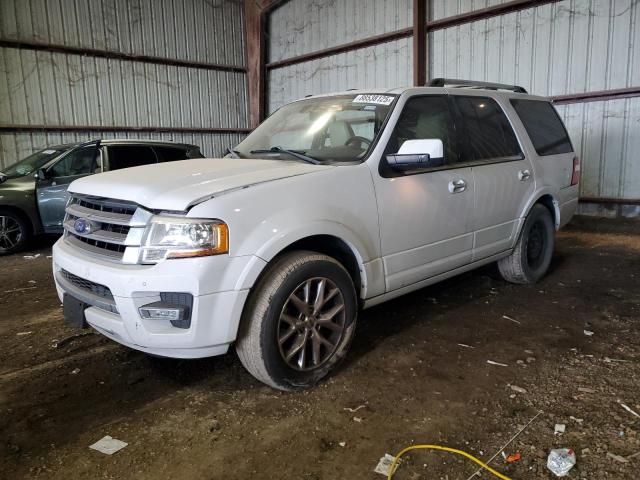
(83, 226)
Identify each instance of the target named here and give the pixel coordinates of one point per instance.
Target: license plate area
(74, 311)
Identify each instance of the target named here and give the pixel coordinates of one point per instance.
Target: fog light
(163, 311)
(173, 306)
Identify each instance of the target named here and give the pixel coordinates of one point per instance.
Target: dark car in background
(33, 191)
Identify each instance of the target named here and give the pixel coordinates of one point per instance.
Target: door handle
(457, 186)
(524, 175)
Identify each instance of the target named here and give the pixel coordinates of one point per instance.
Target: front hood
(179, 185)
(25, 182)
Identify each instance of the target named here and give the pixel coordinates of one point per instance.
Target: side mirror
(41, 174)
(418, 155)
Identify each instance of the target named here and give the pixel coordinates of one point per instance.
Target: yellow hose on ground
(444, 449)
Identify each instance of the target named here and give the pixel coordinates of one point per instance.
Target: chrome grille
(114, 247)
(117, 227)
(111, 207)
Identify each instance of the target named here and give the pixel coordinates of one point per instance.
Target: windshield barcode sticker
(377, 99)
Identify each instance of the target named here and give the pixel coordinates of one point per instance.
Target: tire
(14, 232)
(274, 323)
(531, 256)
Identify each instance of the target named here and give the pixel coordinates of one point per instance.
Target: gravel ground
(418, 372)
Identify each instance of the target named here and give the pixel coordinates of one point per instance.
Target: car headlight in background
(176, 237)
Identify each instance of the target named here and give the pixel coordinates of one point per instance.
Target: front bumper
(216, 284)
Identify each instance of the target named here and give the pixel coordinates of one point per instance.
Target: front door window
(79, 162)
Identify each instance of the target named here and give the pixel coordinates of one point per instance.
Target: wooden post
(255, 12)
(420, 50)
(254, 40)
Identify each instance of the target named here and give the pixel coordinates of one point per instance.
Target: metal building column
(255, 13)
(420, 39)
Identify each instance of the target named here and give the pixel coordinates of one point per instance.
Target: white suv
(335, 203)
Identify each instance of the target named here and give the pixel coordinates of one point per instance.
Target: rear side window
(488, 131)
(543, 124)
(171, 154)
(194, 152)
(126, 156)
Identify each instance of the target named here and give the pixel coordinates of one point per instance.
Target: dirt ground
(417, 373)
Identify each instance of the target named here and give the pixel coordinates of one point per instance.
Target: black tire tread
(512, 268)
(248, 344)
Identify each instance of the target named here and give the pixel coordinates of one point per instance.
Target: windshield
(33, 162)
(326, 129)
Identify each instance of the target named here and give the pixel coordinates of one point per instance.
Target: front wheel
(531, 256)
(299, 321)
(14, 232)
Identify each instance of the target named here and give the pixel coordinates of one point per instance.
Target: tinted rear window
(125, 156)
(170, 154)
(488, 131)
(543, 124)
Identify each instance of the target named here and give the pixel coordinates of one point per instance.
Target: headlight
(175, 237)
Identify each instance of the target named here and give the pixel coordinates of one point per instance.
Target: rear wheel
(531, 256)
(299, 321)
(14, 232)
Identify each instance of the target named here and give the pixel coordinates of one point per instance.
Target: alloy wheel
(536, 244)
(10, 233)
(311, 324)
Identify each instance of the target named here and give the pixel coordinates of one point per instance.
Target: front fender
(289, 236)
(277, 244)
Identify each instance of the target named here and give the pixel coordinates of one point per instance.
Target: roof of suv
(445, 85)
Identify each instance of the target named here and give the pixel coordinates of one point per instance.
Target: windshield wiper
(293, 153)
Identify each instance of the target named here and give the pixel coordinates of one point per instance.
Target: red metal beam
(116, 128)
(597, 96)
(420, 43)
(94, 52)
(610, 201)
(346, 47)
(484, 13)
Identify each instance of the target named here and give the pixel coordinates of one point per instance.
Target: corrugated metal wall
(44, 88)
(204, 30)
(607, 135)
(385, 65)
(568, 47)
(448, 8)
(303, 26)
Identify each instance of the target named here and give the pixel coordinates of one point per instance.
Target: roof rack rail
(443, 82)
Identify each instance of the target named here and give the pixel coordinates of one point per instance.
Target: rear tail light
(575, 176)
